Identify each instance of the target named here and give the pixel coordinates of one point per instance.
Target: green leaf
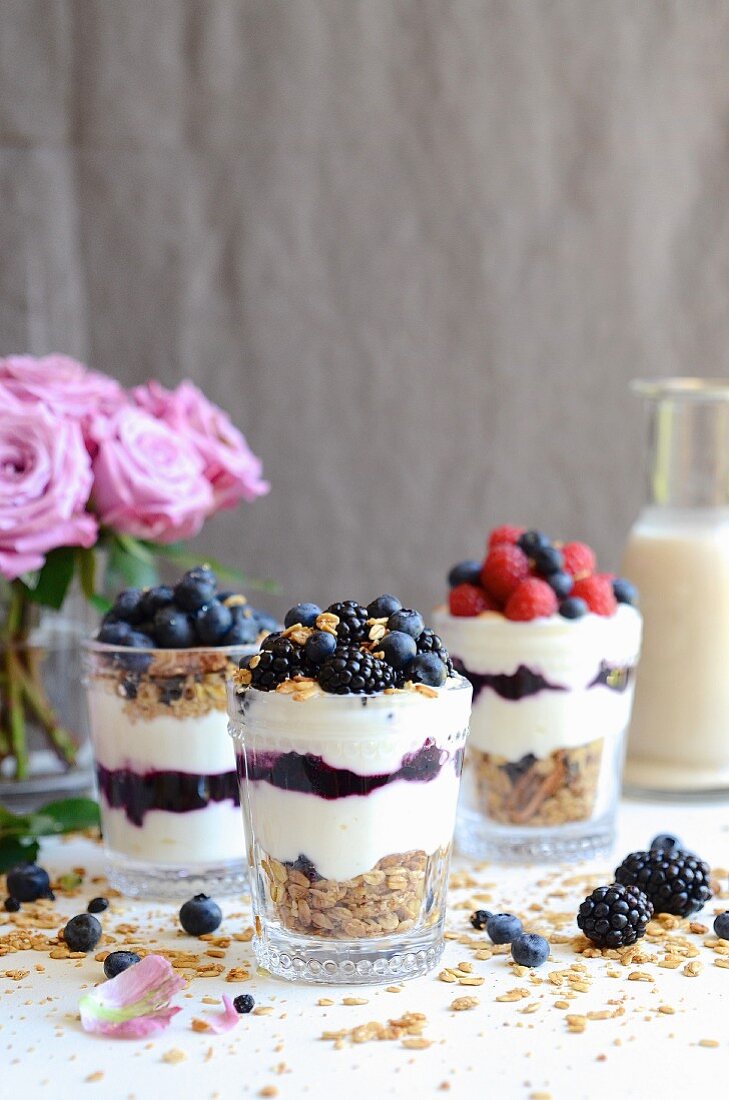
(86, 565)
(54, 578)
(100, 603)
(70, 814)
(129, 567)
(16, 851)
(136, 548)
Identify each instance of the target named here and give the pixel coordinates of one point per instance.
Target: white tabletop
(501, 1048)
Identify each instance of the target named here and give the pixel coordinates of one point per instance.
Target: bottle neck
(688, 458)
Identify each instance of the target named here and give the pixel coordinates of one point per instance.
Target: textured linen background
(416, 247)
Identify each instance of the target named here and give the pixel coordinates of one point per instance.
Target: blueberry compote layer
(171, 791)
(525, 682)
(309, 774)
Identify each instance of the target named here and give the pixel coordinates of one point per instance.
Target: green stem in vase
(16, 714)
(61, 740)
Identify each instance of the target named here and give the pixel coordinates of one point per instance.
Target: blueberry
(202, 573)
(11, 905)
(161, 595)
(193, 591)
(624, 591)
(319, 647)
(561, 583)
(532, 541)
(383, 606)
(304, 613)
(200, 915)
(244, 628)
(529, 949)
(213, 622)
(410, 622)
(427, 668)
(503, 927)
(265, 620)
(243, 1003)
(548, 560)
(574, 607)
(128, 605)
(28, 882)
(116, 962)
(398, 648)
(82, 933)
(173, 629)
(665, 842)
(115, 633)
(136, 662)
(465, 572)
(480, 918)
(721, 926)
(97, 905)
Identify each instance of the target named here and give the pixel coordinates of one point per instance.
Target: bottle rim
(682, 388)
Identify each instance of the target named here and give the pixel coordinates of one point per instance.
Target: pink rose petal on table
(226, 1020)
(136, 1003)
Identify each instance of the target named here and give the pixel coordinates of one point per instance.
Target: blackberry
(615, 915)
(675, 882)
(429, 642)
(353, 618)
(280, 660)
(353, 671)
(243, 1003)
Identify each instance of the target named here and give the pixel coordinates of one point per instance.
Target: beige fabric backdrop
(416, 247)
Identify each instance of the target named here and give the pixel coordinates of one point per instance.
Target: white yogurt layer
(568, 654)
(368, 735)
(199, 745)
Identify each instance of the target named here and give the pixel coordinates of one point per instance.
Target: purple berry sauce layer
(171, 791)
(525, 682)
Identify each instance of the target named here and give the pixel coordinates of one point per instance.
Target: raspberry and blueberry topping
(527, 576)
(530, 949)
(503, 927)
(615, 915)
(721, 926)
(200, 915)
(28, 882)
(116, 962)
(82, 933)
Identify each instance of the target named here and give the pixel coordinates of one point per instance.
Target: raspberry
(579, 559)
(597, 592)
(505, 567)
(506, 533)
(467, 599)
(532, 599)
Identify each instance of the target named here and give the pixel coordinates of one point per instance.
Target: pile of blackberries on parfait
(193, 612)
(349, 649)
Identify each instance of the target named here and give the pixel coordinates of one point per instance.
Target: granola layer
(171, 685)
(538, 791)
(401, 891)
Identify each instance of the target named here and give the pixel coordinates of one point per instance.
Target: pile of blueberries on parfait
(193, 612)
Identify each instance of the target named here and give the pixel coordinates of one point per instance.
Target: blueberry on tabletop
(243, 1003)
(116, 962)
(383, 606)
(427, 668)
(115, 632)
(397, 648)
(28, 882)
(615, 915)
(721, 926)
(532, 541)
(503, 927)
(82, 933)
(97, 905)
(304, 613)
(665, 842)
(407, 620)
(212, 622)
(574, 607)
(173, 629)
(193, 591)
(128, 605)
(200, 915)
(11, 905)
(480, 918)
(561, 583)
(529, 949)
(624, 591)
(465, 572)
(548, 560)
(320, 646)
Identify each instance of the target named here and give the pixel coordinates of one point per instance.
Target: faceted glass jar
(349, 805)
(678, 556)
(165, 768)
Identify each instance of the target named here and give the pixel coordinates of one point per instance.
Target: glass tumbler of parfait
(349, 741)
(550, 647)
(165, 768)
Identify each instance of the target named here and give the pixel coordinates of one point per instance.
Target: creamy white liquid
(679, 735)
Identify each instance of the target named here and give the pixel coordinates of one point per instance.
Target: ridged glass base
(341, 962)
(480, 838)
(136, 879)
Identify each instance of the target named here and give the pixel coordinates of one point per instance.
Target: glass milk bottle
(678, 556)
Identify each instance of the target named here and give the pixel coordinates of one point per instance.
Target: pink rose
(230, 466)
(66, 387)
(45, 482)
(149, 481)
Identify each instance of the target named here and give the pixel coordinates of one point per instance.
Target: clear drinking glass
(165, 768)
(349, 805)
(551, 705)
(678, 555)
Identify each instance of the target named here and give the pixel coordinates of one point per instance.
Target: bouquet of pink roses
(84, 465)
